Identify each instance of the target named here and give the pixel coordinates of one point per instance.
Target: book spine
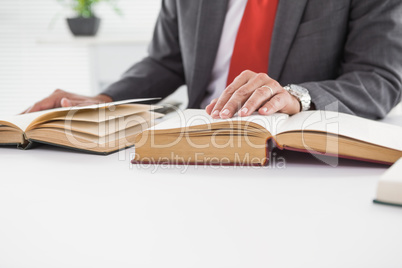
(386, 203)
(94, 152)
(26, 144)
(271, 145)
(146, 162)
(334, 155)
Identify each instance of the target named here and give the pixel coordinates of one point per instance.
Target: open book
(389, 187)
(101, 128)
(193, 137)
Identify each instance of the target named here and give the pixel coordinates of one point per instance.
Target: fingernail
(215, 113)
(264, 109)
(244, 111)
(225, 112)
(65, 102)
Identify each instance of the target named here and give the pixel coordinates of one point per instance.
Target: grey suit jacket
(347, 53)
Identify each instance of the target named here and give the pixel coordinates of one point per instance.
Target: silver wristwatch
(301, 94)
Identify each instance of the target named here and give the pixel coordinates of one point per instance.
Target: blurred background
(38, 52)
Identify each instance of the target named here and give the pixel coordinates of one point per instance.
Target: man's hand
(61, 98)
(250, 92)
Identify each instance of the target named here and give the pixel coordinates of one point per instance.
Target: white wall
(33, 64)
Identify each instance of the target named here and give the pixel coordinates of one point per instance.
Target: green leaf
(84, 8)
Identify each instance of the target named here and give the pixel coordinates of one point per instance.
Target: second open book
(100, 128)
(194, 137)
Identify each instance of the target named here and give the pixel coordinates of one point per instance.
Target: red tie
(253, 41)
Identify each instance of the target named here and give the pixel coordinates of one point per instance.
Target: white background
(30, 69)
(60, 208)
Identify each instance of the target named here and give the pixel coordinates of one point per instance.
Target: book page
(103, 128)
(102, 115)
(24, 120)
(354, 127)
(196, 117)
(393, 174)
(389, 188)
(21, 121)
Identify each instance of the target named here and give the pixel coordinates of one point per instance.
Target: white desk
(66, 209)
(60, 208)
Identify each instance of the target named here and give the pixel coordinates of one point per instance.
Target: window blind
(30, 70)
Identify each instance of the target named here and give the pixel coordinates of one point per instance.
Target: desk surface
(61, 208)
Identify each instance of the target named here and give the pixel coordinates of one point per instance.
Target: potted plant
(85, 23)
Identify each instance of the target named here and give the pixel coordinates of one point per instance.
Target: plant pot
(81, 26)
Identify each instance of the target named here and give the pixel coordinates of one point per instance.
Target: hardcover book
(100, 129)
(194, 137)
(389, 187)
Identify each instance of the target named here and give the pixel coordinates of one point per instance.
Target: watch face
(296, 88)
(302, 95)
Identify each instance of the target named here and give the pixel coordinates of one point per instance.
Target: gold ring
(272, 91)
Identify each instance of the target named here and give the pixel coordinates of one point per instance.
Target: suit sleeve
(370, 81)
(161, 72)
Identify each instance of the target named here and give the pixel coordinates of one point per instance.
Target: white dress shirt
(220, 70)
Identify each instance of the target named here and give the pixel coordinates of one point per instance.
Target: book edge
(376, 201)
(33, 142)
(335, 155)
(270, 145)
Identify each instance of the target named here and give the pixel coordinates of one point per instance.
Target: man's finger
(275, 104)
(259, 97)
(210, 106)
(239, 81)
(67, 102)
(41, 105)
(282, 102)
(26, 111)
(243, 94)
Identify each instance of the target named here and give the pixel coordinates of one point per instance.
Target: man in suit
(342, 52)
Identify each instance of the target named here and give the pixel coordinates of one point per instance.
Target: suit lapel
(288, 17)
(211, 17)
